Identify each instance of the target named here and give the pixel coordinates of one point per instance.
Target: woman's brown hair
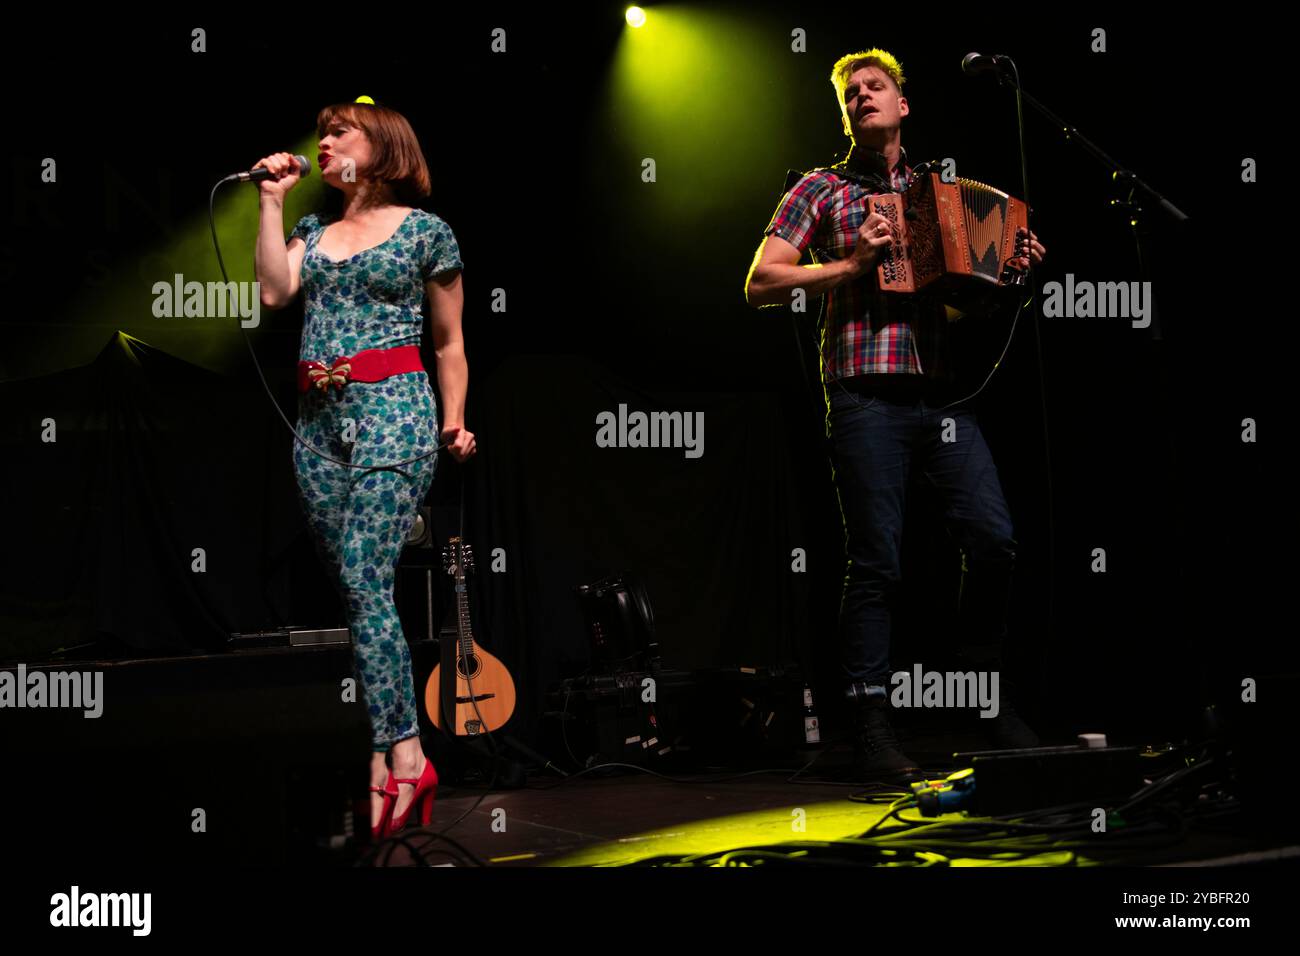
(398, 159)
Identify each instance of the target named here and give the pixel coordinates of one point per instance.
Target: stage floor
(639, 817)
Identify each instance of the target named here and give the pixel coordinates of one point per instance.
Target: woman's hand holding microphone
(284, 169)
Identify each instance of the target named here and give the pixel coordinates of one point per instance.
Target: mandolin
(485, 691)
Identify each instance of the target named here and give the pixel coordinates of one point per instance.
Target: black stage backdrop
(153, 458)
(166, 441)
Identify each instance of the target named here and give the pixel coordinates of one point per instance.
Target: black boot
(876, 754)
(1007, 731)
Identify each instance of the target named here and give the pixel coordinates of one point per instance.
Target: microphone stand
(1072, 134)
(1119, 174)
(1141, 199)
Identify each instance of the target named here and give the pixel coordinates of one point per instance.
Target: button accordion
(952, 240)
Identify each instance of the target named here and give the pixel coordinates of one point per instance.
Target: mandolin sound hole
(470, 664)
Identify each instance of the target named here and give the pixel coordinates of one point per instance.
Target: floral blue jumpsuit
(359, 519)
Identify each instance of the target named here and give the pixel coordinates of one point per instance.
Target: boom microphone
(974, 63)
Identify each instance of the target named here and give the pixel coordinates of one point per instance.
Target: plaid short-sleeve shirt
(863, 332)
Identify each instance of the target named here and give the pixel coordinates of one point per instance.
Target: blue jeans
(876, 446)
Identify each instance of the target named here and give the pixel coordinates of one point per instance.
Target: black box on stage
(721, 716)
(750, 713)
(1018, 781)
(254, 757)
(639, 717)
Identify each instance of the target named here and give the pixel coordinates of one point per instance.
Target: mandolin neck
(465, 639)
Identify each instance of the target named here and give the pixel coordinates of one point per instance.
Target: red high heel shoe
(389, 790)
(426, 787)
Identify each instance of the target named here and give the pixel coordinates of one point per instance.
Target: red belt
(370, 365)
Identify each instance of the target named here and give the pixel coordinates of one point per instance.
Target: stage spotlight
(635, 17)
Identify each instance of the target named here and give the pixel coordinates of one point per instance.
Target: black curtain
(152, 458)
(711, 537)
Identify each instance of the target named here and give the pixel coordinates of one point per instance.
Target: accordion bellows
(950, 239)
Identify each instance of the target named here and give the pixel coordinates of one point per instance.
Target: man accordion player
(872, 226)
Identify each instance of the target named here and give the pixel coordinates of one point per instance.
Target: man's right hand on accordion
(1012, 280)
(1013, 272)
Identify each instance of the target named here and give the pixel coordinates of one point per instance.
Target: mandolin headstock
(457, 557)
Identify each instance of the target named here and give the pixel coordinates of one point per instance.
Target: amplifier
(718, 716)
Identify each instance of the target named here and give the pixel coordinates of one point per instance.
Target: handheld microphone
(974, 63)
(261, 172)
